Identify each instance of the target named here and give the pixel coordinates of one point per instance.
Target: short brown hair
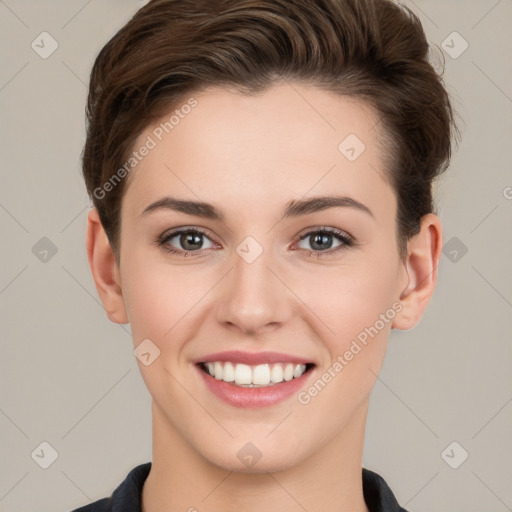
(374, 50)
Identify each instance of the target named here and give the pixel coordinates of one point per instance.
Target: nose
(254, 298)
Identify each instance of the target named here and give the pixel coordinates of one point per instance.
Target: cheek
(356, 311)
(161, 299)
(350, 298)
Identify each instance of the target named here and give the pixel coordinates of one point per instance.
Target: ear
(104, 269)
(420, 270)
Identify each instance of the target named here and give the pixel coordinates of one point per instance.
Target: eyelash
(347, 241)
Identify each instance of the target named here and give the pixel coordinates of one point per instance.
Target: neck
(182, 480)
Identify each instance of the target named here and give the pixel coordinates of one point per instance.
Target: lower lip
(255, 398)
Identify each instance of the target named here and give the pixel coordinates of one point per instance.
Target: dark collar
(127, 496)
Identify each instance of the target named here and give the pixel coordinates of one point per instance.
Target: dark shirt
(127, 496)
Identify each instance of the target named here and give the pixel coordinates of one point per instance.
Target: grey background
(68, 376)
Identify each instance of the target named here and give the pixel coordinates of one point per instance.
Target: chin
(267, 464)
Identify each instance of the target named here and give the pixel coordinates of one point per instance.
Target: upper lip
(252, 358)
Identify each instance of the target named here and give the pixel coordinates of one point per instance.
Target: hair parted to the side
(373, 50)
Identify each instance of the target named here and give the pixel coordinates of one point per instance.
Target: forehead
(277, 145)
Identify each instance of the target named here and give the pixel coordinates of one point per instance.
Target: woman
(261, 173)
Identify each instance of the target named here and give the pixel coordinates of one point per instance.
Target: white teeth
(288, 372)
(298, 370)
(254, 376)
(276, 375)
(261, 375)
(218, 370)
(243, 374)
(229, 373)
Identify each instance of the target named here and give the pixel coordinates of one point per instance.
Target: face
(265, 279)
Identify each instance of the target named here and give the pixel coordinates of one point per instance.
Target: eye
(321, 241)
(185, 242)
(190, 242)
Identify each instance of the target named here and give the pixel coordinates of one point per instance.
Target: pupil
(319, 239)
(188, 239)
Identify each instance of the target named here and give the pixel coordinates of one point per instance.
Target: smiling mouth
(257, 376)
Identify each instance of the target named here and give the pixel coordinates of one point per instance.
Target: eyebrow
(293, 208)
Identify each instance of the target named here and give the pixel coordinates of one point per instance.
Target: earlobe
(104, 269)
(420, 267)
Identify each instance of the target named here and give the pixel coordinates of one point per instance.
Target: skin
(249, 156)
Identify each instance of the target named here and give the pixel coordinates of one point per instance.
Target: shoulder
(377, 494)
(126, 497)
